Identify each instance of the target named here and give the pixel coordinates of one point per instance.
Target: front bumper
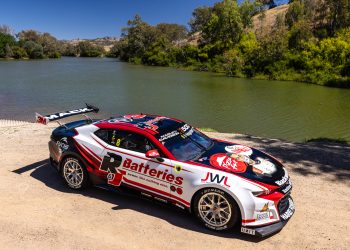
(286, 210)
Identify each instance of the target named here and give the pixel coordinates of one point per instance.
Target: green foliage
(310, 42)
(38, 45)
(19, 52)
(157, 54)
(208, 130)
(87, 49)
(200, 18)
(172, 32)
(8, 51)
(6, 40)
(114, 51)
(70, 50)
(295, 13)
(34, 50)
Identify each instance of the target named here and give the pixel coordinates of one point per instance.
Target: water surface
(286, 110)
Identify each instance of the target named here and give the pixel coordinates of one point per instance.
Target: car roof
(154, 124)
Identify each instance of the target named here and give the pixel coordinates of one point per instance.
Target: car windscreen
(189, 145)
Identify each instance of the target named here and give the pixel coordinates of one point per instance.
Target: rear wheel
(216, 209)
(74, 173)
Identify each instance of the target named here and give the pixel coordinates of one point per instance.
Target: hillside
(265, 21)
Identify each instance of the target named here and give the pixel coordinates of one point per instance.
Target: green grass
(208, 130)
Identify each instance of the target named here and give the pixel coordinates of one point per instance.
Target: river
(274, 109)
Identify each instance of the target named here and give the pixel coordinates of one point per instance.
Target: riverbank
(287, 75)
(38, 211)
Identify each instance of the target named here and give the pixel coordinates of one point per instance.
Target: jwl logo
(210, 177)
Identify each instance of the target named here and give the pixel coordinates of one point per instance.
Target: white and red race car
(222, 183)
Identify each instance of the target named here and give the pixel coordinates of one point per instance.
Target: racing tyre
(216, 209)
(74, 173)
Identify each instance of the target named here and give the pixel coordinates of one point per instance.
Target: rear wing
(60, 115)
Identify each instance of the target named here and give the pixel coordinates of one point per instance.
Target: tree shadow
(44, 172)
(312, 158)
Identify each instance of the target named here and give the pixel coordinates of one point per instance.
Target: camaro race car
(222, 183)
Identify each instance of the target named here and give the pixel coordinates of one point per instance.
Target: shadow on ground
(44, 172)
(313, 158)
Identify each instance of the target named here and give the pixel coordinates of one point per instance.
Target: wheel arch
(235, 198)
(66, 155)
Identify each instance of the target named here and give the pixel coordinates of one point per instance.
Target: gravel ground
(38, 211)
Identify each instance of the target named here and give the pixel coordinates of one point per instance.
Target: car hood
(244, 161)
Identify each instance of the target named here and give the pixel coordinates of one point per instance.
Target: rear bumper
(264, 231)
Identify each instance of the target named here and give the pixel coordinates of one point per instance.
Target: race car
(224, 184)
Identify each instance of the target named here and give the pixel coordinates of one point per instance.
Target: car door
(126, 154)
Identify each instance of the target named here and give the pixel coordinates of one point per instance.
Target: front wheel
(216, 209)
(74, 173)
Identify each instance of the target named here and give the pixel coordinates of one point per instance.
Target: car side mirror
(152, 153)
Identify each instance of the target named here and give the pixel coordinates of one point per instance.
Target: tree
(338, 14)
(4, 29)
(225, 25)
(34, 50)
(171, 31)
(70, 50)
(19, 52)
(29, 35)
(295, 13)
(137, 38)
(114, 51)
(200, 18)
(269, 3)
(50, 45)
(5, 40)
(247, 10)
(87, 49)
(8, 51)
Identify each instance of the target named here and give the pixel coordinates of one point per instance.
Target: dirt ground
(38, 211)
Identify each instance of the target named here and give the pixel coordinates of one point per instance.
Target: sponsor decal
(263, 216)
(62, 144)
(203, 159)
(210, 177)
(290, 211)
(151, 123)
(262, 166)
(287, 188)
(146, 170)
(225, 162)
(176, 189)
(265, 208)
(239, 149)
(120, 119)
(242, 158)
(153, 153)
(247, 231)
(139, 116)
(184, 131)
(111, 164)
(68, 113)
(177, 168)
(41, 119)
(283, 180)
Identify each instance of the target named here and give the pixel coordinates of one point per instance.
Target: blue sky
(93, 18)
